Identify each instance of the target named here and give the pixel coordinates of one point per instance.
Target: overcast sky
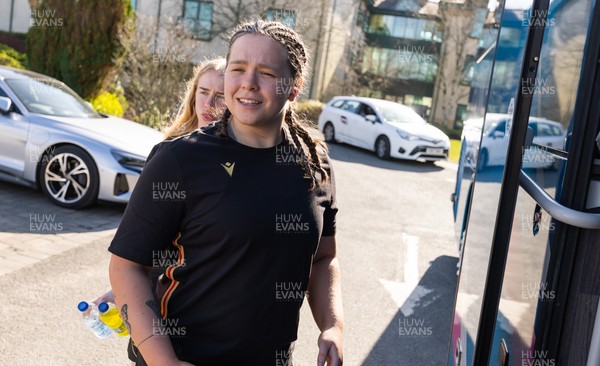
(511, 4)
(516, 4)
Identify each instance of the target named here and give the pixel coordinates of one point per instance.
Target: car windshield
(46, 96)
(396, 113)
(490, 126)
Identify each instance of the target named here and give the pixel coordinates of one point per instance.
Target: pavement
(396, 246)
(32, 229)
(50, 259)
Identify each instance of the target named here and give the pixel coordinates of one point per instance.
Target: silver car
(52, 139)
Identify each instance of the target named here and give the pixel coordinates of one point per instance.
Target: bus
(527, 195)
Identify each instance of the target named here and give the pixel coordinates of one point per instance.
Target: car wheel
(382, 147)
(329, 132)
(483, 160)
(68, 177)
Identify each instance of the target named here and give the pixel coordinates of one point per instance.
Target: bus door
(516, 273)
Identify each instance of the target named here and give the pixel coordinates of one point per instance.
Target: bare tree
(352, 68)
(228, 13)
(457, 21)
(377, 70)
(154, 72)
(375, 73)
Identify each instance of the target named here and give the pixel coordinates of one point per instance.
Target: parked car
(492, 151)
(387, 128)
(52, 139)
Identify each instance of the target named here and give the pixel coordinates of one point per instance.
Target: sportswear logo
(306, 175)
(229, 168)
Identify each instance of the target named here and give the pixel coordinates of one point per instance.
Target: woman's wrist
(157, 350)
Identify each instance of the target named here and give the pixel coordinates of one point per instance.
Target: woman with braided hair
(202, 103)
(249, 204)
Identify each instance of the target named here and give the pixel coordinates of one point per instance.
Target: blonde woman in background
(203, 101)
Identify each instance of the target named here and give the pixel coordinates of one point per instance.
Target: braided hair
(298, 57)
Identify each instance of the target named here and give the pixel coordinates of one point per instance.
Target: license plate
(434, 150)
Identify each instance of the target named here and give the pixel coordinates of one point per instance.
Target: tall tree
(78, 42)
(462, 25)
(228, 13)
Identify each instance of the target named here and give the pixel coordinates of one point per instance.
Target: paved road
(397, 251)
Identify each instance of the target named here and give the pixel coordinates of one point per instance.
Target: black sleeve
(154, 212)
(152, 153)
(330, 209)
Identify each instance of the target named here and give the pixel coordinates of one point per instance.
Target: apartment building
(324, 24)
(416, 52)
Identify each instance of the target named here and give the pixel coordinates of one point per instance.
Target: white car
(388, 128)
(494, 141)
(53, 140)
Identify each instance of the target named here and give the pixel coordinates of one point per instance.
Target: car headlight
(407, 136)
(129, 161)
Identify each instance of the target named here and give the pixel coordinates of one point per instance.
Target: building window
(511, 37)
(370, 93)
(285, 16)
(362, 20)
(197, 17)
(468, 70)
(461, 116)
(406, 63)
(478, 22)
(405, 27)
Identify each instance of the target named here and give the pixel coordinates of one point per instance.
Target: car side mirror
(371, 118)
(5, 105)
(498, 134)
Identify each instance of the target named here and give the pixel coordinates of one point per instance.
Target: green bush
(453, 133)
(309, 110)
(78, 42)
(11, 57)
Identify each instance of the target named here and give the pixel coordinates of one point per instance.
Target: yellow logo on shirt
(229, 168)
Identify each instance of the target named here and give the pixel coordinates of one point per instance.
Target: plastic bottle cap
(103, 307)
(83, 306)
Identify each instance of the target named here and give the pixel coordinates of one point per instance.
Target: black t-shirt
(236, 228)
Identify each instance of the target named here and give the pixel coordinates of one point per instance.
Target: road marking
(407, 294)
(411, 259)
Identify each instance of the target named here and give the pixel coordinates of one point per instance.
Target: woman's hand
(330, 347)
(107, 297)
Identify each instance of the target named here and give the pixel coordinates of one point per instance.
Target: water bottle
(110, 316)
(92, 320)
